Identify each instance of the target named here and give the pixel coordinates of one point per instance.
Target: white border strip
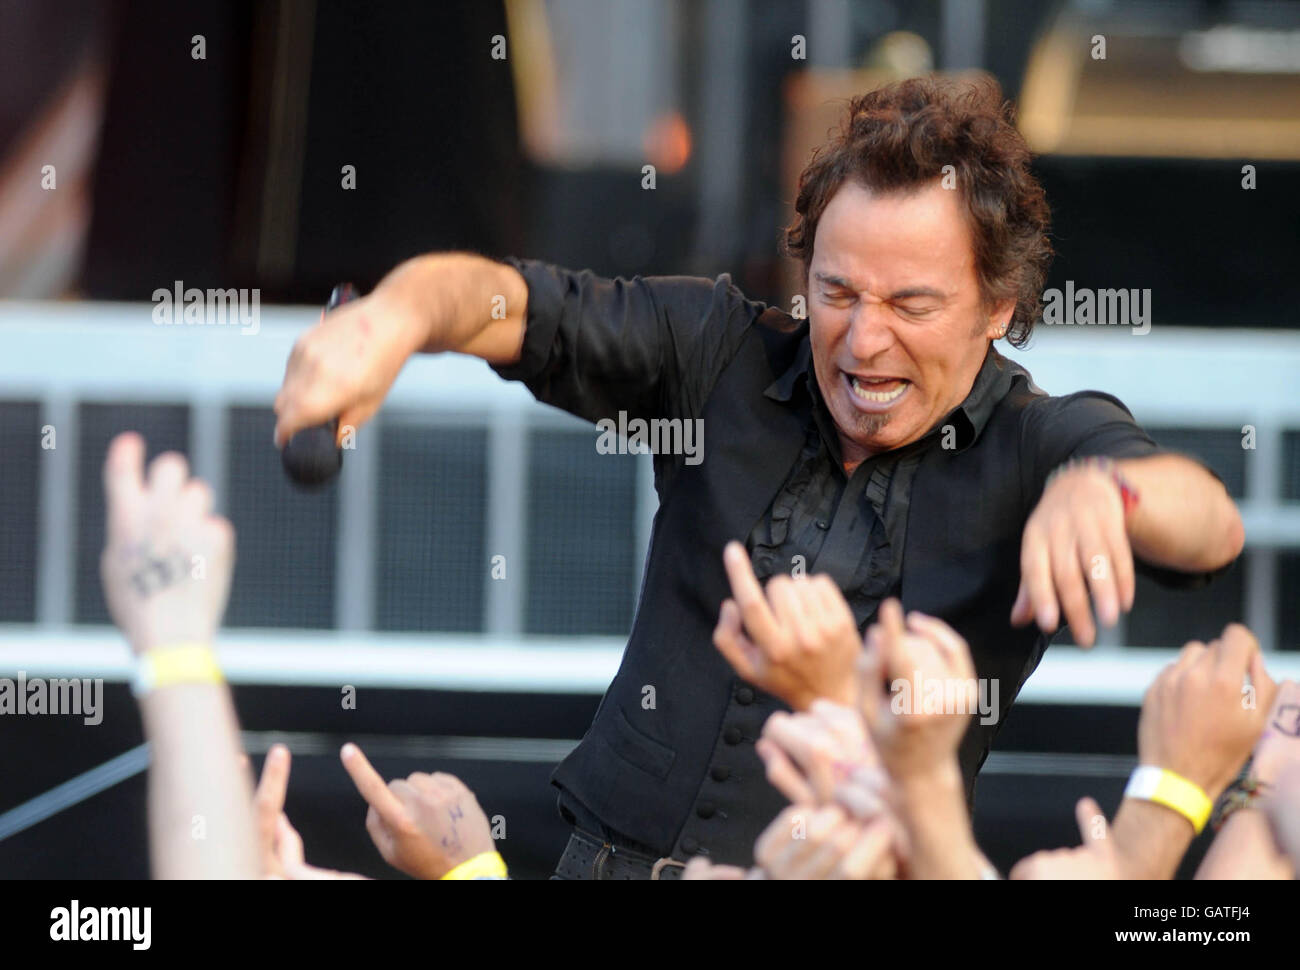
(538, 665)
(333, 659)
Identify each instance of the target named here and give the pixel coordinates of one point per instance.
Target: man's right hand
(344, 366)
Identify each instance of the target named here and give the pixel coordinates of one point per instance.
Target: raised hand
(1199, 718)
(1282, 809)
(910, 738)
(289, 856)
(1097, 858)
(826, 843)
(425, 825)
(796, 640)
(279, 844)
(268, 806)
(167, 564)
(808, 755)
(1278, 746)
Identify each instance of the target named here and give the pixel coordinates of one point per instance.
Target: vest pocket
(638, 748)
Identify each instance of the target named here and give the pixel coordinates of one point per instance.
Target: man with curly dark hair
(882, 442)
(898, 138)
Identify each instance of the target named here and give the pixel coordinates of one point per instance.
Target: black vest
(669, 760)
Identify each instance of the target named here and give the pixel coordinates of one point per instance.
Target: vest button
(705, 809)
(731, 735)
(720, 773)
(745, 695)
(690, 846)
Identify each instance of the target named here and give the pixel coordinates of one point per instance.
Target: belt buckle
(657, 870)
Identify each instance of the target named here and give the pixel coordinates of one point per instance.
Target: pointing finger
(754, 611)
(890, 634)
(273, 785)
(372, 786)
(730, 639)
(1087, 813)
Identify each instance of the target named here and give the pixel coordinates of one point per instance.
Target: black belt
(589, 857)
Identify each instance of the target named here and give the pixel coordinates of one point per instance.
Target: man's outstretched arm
(344, 366)
(1184, 518)
(460, 302)
(1081, 541)
(650, 346)
(1109, 499)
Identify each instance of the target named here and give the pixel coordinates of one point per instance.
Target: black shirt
(937, 522)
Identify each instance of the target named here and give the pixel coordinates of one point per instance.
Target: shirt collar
(783, 388)
(968, 418)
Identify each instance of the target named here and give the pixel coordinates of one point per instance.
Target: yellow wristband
(485, 865)
(1173, 791)
(184, 663)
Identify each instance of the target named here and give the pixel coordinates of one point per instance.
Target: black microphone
(312, 456)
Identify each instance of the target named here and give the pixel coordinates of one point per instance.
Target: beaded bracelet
(1240, 794)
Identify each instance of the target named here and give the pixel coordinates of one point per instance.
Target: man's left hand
(1075, 544)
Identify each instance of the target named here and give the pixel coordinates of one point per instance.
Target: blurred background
(285, 146)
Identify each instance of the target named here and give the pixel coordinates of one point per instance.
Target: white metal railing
(63, 353)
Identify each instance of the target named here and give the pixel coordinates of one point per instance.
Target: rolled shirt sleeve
(1082, 425)
(652, 347)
